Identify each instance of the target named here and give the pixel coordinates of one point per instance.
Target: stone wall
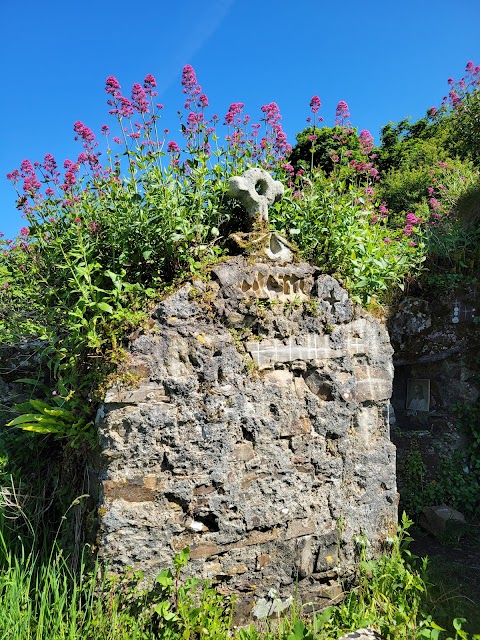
(257, 435)
(436, 340)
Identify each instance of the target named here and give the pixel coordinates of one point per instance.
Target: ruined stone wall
(258, 436)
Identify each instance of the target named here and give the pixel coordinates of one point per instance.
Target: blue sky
(387, 60)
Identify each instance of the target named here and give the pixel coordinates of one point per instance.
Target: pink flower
(173, 147)
(148, 84)
(341, 113)
(366, 141)
(203, 101)
(411, 219)
(315, 104)
(139, 98)
(235, 109)
(22, 267)
(454, 99)
(189, 81)
(78, 220)
(105, 130)
(5, 286)
(24, 231)
(84, 132)
(112, 85)
(387, 240)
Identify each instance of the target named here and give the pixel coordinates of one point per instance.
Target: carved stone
(255, 190)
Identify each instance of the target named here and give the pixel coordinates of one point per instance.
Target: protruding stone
(256, 190)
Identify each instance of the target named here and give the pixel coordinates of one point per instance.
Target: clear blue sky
(387, 60)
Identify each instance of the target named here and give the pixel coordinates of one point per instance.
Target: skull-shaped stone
(255, 190)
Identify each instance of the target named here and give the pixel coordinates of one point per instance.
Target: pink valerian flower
(342, 113)
(93, 226)
(50, 168)
(470, 68)
(173, 147)
(315, 104)
(434, 203)
(112, 86)
(23, 246)
(272, 113)
(49, 192)
(366, 142)
(77, 220)
(234, 110)
(455, 99)
(189, 84)
(203, 100)
(387, 240)
(117, 140)
(83, 132)
(22, 267)
(411, 219)
(25, 231)
(139, 98)
(5, 286)
(105, 129)
(14, 176)
(149, 84)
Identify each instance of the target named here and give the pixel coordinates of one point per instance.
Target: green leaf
(37, 428)
(103, 306)
(26, 417)
(165, 578)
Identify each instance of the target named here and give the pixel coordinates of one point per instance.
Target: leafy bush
(100, 247)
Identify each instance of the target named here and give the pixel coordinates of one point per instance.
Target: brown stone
(263, 560)
(297, 528)
(297, 427)
(203, 550)
(129, 492)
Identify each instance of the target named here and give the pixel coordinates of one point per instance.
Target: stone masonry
(257, 436)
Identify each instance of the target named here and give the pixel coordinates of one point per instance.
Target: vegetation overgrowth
(103, 241)
(41, 599)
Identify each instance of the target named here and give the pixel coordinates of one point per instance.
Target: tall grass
(41, 598)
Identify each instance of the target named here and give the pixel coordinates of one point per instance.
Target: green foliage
(455, 482)
(337, 228)
(42, 599)
(318, 147)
